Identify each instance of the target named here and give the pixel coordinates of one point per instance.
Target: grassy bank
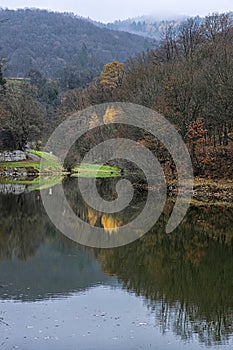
(49, 164)
(6, 166)
(205, 190)
(94, 170)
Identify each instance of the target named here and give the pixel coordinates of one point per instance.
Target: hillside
(147, 26)
(50, 42)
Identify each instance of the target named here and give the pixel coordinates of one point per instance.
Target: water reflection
(107, 190)
(36, 260)
(185, 278)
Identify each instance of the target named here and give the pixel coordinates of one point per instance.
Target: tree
(2, 79)
(36, 78)
(196, 135)
(112, 75)
(22, 114)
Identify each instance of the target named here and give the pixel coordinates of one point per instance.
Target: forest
(56, 43)
(147, 26)
(188, 78)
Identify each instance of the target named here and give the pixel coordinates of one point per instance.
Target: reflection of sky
(101, 318)
(51, 272)
(105, 10)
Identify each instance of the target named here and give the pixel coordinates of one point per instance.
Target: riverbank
(38, 163)
(213, 191)
(205, 192)
(28, 165)
(28, 172)
(209, 191)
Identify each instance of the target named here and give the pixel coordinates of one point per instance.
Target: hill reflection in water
(185, 278)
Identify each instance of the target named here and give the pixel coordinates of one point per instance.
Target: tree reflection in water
(185, 278)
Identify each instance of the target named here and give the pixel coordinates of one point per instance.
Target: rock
(34, 157)
(12, 156)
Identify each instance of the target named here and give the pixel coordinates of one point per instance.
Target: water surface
(164, 291)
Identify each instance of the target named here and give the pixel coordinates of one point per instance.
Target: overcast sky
(109, 10)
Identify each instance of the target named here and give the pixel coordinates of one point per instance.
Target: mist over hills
(152, 27)
(147, 26)
(51, 42)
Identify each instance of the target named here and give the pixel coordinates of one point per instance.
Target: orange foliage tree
(112, 75)
(197, 137)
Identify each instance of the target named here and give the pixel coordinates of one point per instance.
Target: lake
(163, 291)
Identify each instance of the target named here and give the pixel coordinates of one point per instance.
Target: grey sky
(109, 10)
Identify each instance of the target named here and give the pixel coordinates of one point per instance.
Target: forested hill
(146, 26)
(49, 42)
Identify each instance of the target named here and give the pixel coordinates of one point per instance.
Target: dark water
(164, 291)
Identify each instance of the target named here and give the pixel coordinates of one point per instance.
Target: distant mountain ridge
(51, 41)
(151, 27)
(147, 26)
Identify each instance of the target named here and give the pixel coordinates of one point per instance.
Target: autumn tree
(112, 75)
(196, 137)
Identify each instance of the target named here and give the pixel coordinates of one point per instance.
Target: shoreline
(205, 191)
(28, 172)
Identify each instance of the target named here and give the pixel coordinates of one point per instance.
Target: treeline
(61, 45)
(188, 79)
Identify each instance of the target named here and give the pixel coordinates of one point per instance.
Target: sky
(110, 10)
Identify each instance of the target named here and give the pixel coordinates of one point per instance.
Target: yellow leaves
(94, 121)
(112, 75)
(110, 223)
(92, 217)
(109, 115)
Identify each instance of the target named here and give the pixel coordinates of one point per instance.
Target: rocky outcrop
(12, 156)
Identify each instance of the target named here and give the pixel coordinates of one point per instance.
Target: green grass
(94, 170)
(98, 175)
(38, 183)
(45, 182)
(94, 167)
(34, 181)
(21, 164)
(51, 164)
(44, 155)
(50, 161)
